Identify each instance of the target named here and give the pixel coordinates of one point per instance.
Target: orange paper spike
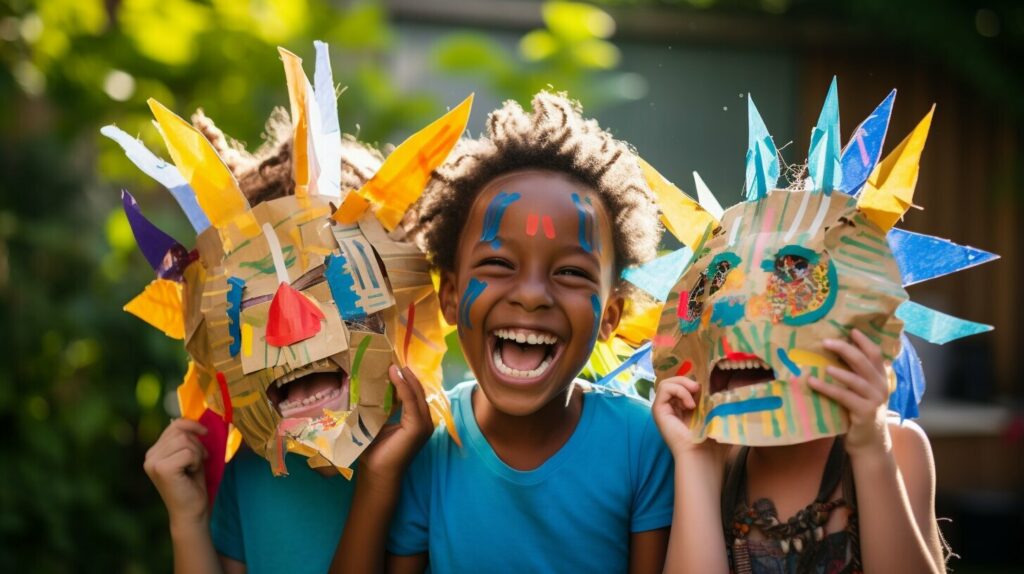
(400, 181)
(298, 92)
(159, 304)
(190, 397)
(292, 318)
(889, 191)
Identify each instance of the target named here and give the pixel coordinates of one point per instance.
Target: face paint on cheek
(588, 235)
(595, 304)
(469, 296)
(493, 215)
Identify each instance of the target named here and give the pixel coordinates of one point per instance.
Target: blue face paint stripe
(584, 217)
(784, 357)
(743, 407)
(469, 296)
(595, 304)
(493, 215)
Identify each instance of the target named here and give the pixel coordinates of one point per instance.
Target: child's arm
(647, 551)
(175, 465)
(696, 543)
(378, 482)
(892, 466)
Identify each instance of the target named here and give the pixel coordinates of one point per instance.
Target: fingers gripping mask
(773, 276)
(292, 310)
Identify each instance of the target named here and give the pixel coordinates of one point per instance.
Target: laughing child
(530, 227)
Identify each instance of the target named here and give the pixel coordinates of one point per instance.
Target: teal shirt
(574, 513)
(279, 524)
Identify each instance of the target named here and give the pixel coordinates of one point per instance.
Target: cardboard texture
(282, 289)
(788, 268)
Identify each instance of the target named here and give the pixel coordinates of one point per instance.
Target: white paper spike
(706, 198)
(325, 131)
(276, 254)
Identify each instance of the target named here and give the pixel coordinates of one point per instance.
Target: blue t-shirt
(279, 524)
(574, 513)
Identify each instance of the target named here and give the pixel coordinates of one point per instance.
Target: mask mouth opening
(310, 390)
(730, 373)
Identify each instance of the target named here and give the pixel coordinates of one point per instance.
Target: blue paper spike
(636, 357)
(152, 241)
(910, 382)
(865, 147)
(164, 173)
(936, 327)
(762, 156)
(923, 257)
(823, 158)
(657, 277)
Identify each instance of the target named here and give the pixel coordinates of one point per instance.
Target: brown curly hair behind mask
(267, 173)
(555, 137)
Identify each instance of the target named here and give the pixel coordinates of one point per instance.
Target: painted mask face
(780, 275)
(773, 276)
(292, 310)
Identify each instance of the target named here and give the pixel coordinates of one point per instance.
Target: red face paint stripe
(409, 322)
(225, 397)
(549, 227)
(531, 224)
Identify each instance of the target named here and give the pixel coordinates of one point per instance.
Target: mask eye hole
(695, 306)
(792, 268)
(719, 273)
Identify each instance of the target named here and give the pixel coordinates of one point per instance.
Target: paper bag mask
(292, 310)
(772, 276)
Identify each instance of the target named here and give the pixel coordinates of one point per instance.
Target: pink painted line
(762, 238)
(549, 227)
(863, 149)
(684, 303)
(531, 224)
(800, 406)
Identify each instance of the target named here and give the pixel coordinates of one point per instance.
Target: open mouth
(729, 374)
(308, 391)
(523, 355)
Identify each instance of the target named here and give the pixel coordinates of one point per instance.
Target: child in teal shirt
(530, 228)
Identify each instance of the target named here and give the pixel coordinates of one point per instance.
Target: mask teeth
(732, 364)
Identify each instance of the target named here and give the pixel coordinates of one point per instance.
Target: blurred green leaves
(571, 53)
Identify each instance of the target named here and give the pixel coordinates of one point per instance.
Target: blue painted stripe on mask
(784, 357)
(342, 288)
(743, 407)
(235, 287)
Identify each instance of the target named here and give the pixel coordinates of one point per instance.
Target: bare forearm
(193, 549)
(696, 543)
(890, 537)
(364, 540)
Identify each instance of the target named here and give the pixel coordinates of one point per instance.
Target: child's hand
(175, 465)
(673, 407)
(397, 444)
(863, 391)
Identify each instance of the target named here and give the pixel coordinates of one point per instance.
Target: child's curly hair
(267, 173)
(556, 137)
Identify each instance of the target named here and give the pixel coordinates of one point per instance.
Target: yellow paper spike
(215, 187)
(234, 441)
(638, 328)
(889, 191)
(160, 305)
(400, 181)
(683, 217)
(190, 396)
(352, 208)
(298, 93)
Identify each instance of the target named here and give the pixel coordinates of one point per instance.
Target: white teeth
(509, 371)
(325, 395)
(526, 336)
(732, 364)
